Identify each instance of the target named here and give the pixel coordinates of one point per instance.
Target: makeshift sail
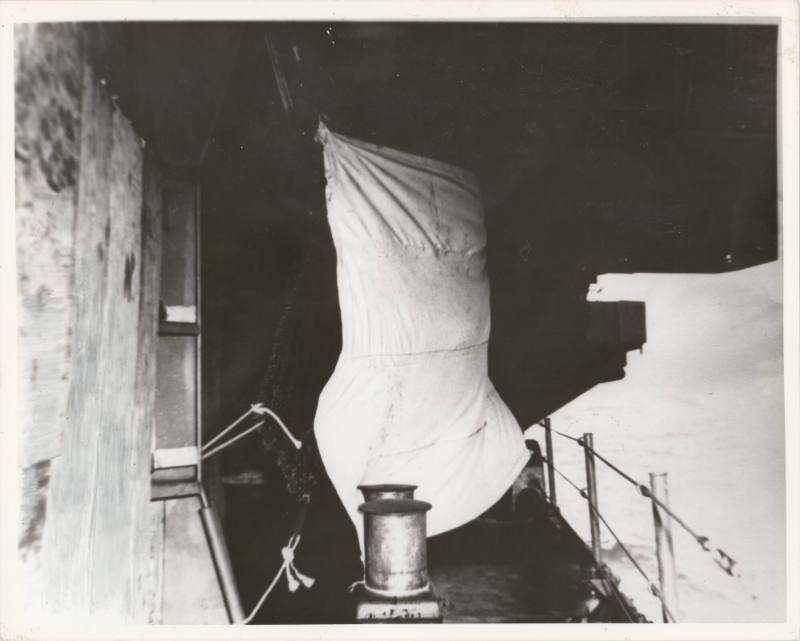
(410, 400)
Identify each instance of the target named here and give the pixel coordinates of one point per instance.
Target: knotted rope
(294, 577)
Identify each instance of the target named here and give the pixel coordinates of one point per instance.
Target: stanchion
(591, 490)
(551, 471)
(664, 551)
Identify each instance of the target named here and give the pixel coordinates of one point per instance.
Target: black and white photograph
(336, 317)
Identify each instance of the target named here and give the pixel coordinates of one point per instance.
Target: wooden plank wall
(48, 83)
(69, 518)
(116, 487)
(144, 565)
(88, 234)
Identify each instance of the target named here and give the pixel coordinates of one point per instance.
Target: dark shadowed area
(599, 148)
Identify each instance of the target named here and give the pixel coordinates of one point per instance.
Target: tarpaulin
(410, 400)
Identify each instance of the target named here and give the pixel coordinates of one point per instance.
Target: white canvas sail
(410, 400)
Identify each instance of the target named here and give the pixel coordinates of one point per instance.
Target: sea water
(702, 402)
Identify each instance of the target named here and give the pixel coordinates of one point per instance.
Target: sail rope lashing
(654, 589)
(259, 409)
(721, 558)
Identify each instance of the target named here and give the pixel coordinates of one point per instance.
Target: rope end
(294, 584)
(307, 581)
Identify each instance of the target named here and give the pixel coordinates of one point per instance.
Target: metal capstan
(387, 491)
(396, 583)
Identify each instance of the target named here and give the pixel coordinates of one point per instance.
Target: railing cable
(652, 586)
(721, 558)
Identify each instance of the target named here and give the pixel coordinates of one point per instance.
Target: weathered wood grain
(68, 532)
(89, 256)
(98, 482)
(44, 261)
(154, 580)
(35, 482)
(45, 222)
(144, 394)
(47, 99)
(47, 129)
(116, 488)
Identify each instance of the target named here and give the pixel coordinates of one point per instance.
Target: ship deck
(509, 566)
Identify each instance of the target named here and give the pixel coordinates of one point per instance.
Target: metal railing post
(591, 489)
(551, 472)
(664, 551)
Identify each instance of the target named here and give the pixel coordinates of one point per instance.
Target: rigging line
(627, 477)
(258, 409)
(721, 558)
(581, 492)
(566, 478)
(623, 606)
(571, 438)
(724, 560)
(261, 410)
(233, 440)
(228, 429)
(653, 588)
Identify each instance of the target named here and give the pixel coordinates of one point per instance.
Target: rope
(294, 577)
(626, 608)
(260, 410)
(232, 441)
(571, 438)
(565, 477)
(721, 558)
(628, 478)
(229, 428)
(652, 586)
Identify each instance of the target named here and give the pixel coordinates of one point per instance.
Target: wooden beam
(115, 488)
(144, 599)
(74, 473)
(171, 328)
(47, 134)
(176, 457)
